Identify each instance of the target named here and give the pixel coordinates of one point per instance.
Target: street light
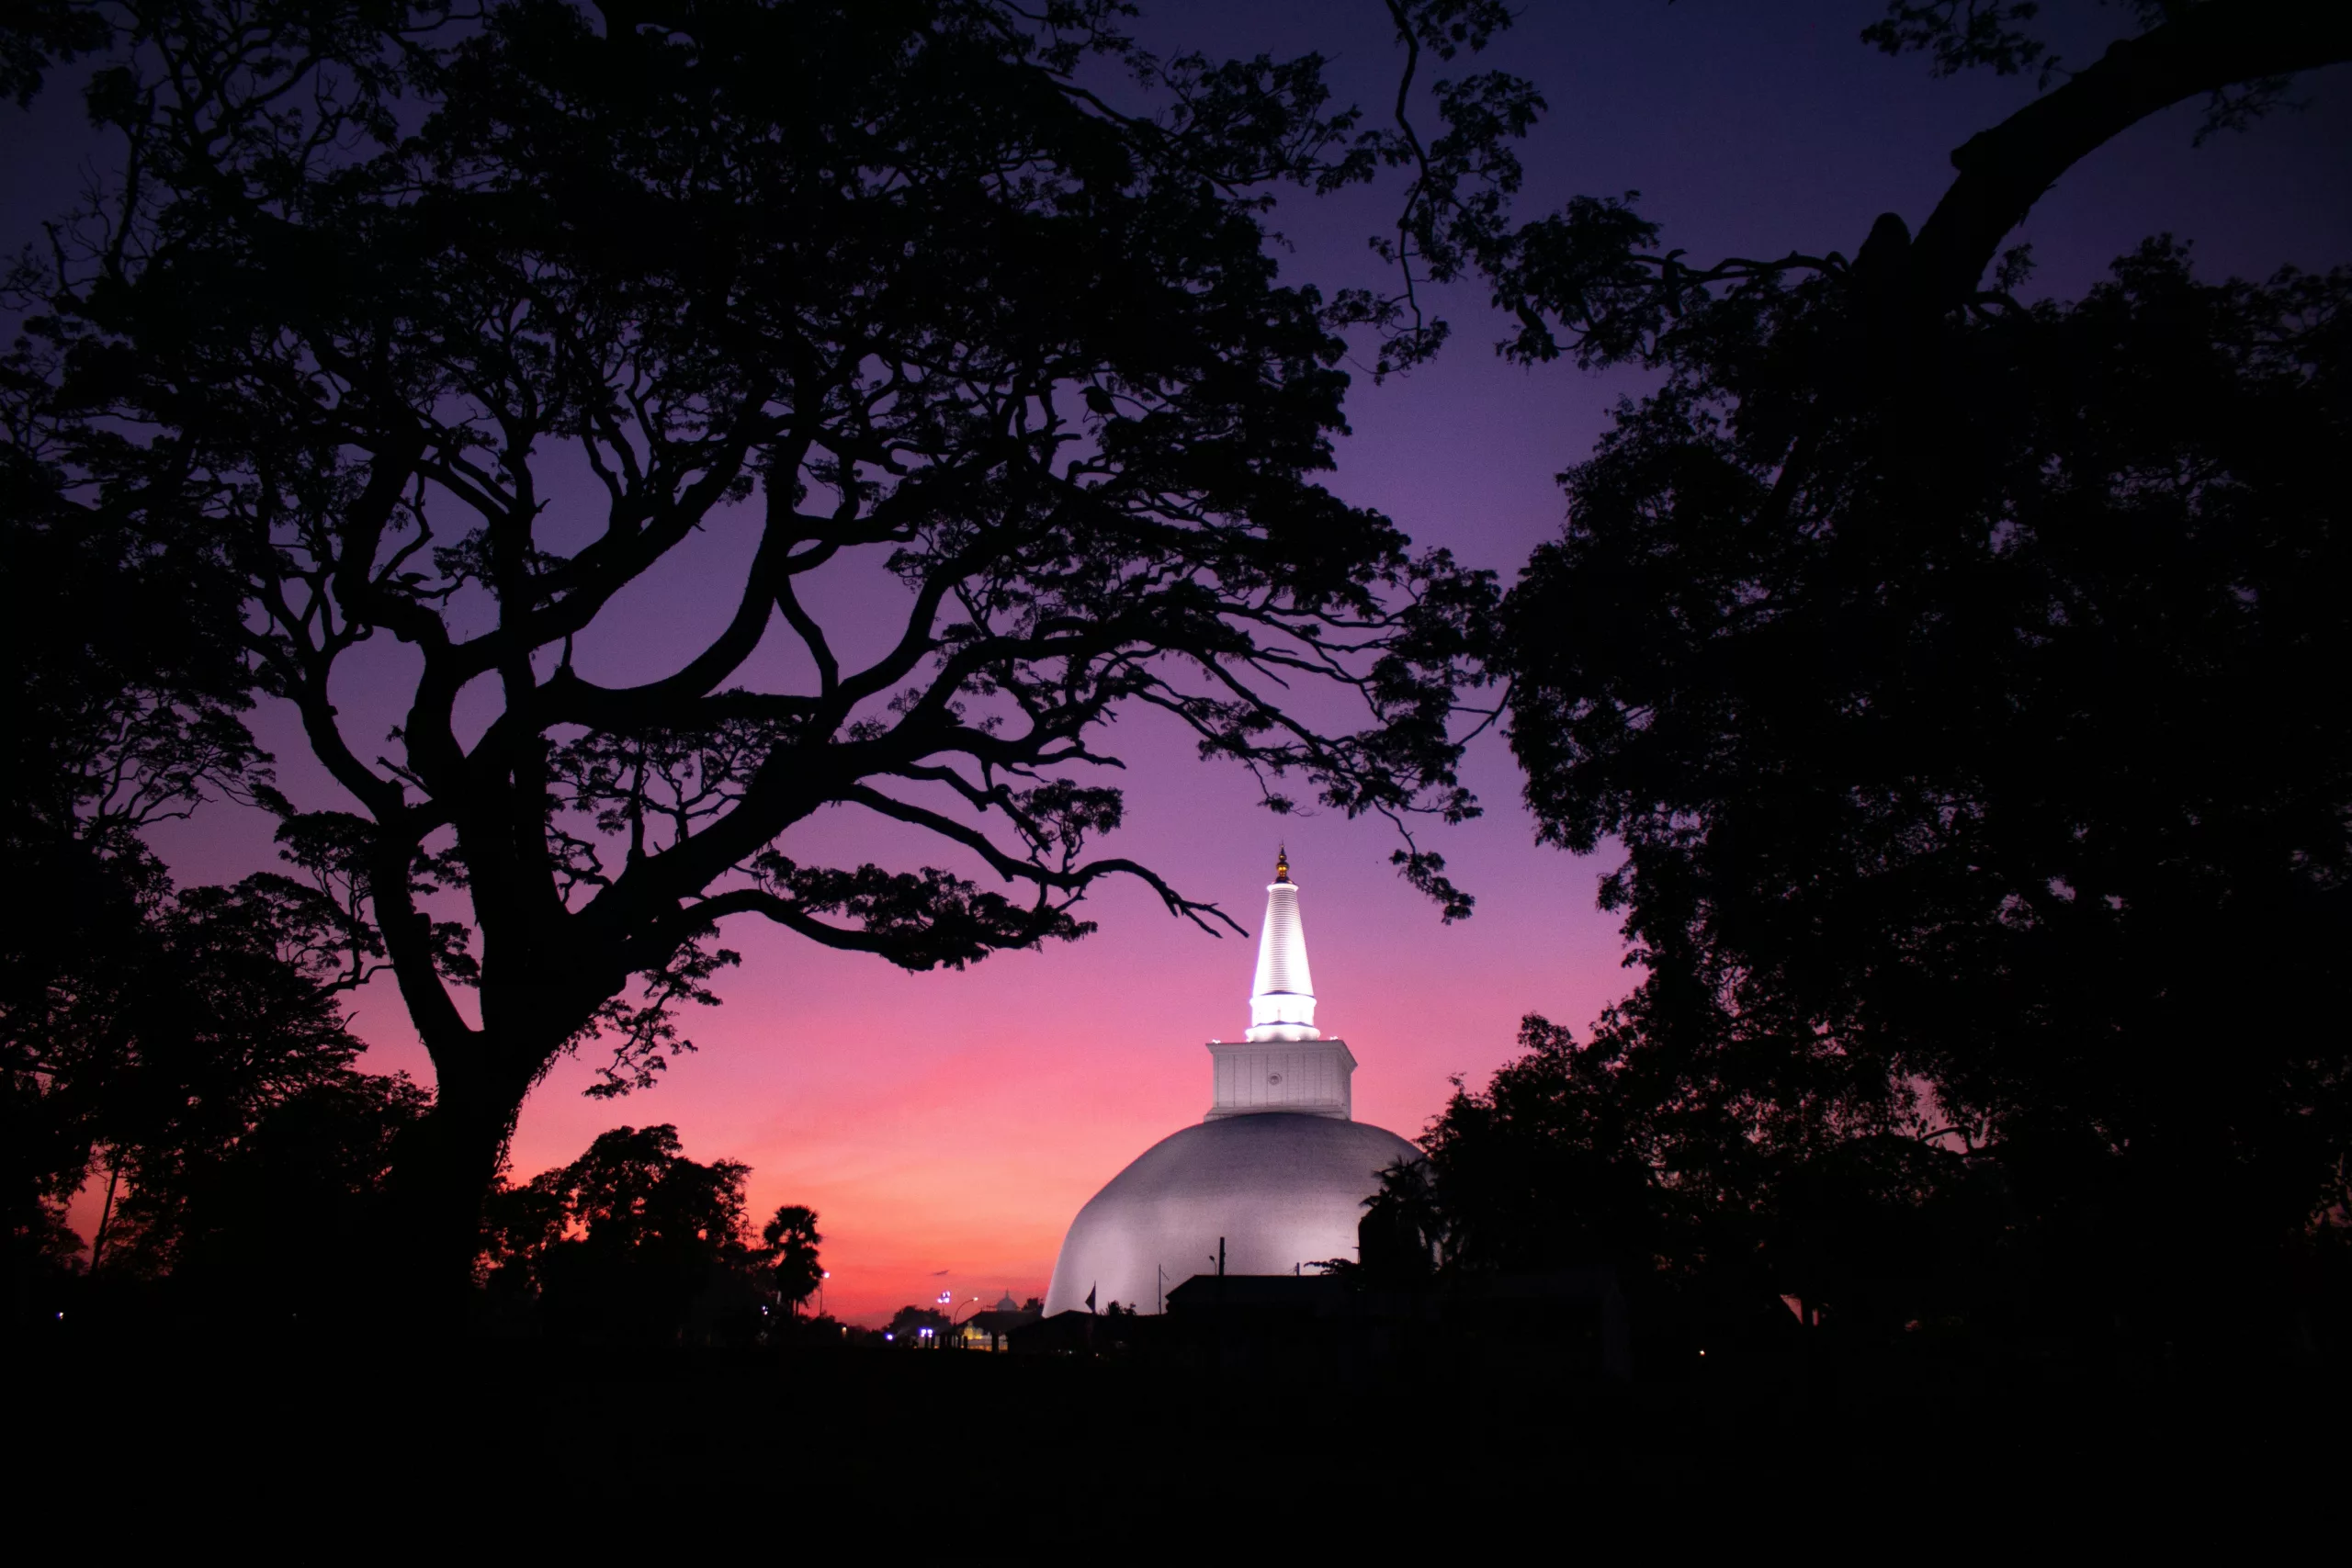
(953, 1321)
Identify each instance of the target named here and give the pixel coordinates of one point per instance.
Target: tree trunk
(442, 1171)
(105, 1215)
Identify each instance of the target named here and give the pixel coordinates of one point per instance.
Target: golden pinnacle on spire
(1281, 864)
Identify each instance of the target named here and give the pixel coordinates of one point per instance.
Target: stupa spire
(1282, 1001)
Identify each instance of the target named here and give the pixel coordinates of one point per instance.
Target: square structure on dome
(1308, 1078)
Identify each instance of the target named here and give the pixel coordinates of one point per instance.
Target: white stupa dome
(1282, 1189)
(1278, 1172)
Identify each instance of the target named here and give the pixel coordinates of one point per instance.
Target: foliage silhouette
(1615, 1152)
(910, 1325)
(791, 1241)
(632, 1242)
(1957, 676)
(288, 1226)
(157, 1031)
(1589, 281)
(1401, 1238)
(449, 329)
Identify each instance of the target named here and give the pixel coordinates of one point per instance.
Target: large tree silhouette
(451, 330)
(1962, 680)
(146, 1027)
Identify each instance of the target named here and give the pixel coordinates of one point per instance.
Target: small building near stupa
(1275, 1174)
(991, 1330)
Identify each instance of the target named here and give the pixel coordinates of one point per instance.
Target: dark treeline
(1953, 670)
(183, 1045)
(882, 285)
(184, 1048)
(1964, 682)
(634, 1243)
(1983, 795)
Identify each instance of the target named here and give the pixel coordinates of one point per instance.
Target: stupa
(1277, 1171)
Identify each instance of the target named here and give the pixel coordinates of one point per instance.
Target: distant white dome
(1282, 1189)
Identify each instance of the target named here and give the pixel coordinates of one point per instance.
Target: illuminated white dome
(1278, 1169)
(1282, 1189)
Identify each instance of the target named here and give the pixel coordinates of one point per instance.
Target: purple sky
(956, 1122)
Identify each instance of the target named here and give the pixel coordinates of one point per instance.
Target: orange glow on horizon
(946, 1127)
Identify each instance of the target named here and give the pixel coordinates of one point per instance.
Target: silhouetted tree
(148, 1028)
(907, 1326)
(1552, 1163)
(628, 1242)
(1958, 678)
(1590, 281)
(287, 1226)
(1710, 1197)
(1401, 1237)
(521, 1224)
(450, 330)
(792, 1240)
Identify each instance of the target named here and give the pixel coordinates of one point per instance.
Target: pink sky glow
(948, 1126)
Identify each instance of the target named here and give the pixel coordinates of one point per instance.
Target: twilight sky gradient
(948, 1126)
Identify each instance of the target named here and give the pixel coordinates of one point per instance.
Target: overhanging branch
(2004, 171)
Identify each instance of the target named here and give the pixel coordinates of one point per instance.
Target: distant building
(1271, 1181)
(992, 1330)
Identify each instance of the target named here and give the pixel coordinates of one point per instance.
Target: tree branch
(2004, 171)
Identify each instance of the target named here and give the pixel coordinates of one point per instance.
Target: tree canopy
(791, 1241)
(1953, 669)
(448, 331)
(156, 1030)
(1955, 675)
(633, 1242)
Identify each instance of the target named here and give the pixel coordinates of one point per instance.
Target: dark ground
(886, 1453)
